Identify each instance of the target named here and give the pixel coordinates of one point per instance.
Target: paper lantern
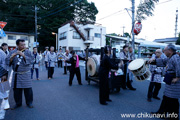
(137, 28)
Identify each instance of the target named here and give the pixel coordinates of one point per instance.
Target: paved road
(55, 100)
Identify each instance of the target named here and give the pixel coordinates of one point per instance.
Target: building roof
(143, 43)
(19, 33)
(120, 38)
(174, 39)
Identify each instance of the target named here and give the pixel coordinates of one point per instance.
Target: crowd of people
(164, 66)
(24, 62)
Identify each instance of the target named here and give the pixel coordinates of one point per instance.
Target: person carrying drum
(156, 79)
(125, 56)
(131, 59)
(170, 102)
(104, 69)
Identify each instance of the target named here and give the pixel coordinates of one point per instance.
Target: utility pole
(123, 30)
(36, 25)
(133, 21)
(101, 39)
(176, 23)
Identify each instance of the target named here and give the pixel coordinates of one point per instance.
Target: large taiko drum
(139, 69)
(93, 64)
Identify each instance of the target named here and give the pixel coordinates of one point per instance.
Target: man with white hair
(51, 59)
(156, 78)
(170, 103)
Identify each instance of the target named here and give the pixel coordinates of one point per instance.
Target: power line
(58, 7)
(123, 10)
(62, 9)
(164, 2)
(110, 15)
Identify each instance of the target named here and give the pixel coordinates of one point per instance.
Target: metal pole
(139, 51)
(101, 39)
(36, 25)
(57, 43)
(133, 9)
(176, 23)
(123, 31)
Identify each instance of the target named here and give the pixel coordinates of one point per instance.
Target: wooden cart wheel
(118, 89)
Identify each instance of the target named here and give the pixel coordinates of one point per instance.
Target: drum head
(136, 64)
(91, 66)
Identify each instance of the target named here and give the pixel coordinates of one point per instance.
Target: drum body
(93, 64)
(139, 69)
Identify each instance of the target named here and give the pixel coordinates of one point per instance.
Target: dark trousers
(46, 65)
(103, 90)
(78, 75)
(170, 105)
(37, 72)
(28, 93)
(153, 90)
(66, 68)
(50, 72)
(59, 63)
(126, 77)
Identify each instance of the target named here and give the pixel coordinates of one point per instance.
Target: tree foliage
(145, 9)
(108, 38)
(85, 13)
(127, 35)
(51, 14)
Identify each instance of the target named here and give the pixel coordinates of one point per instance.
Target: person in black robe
(74, 60)
(104, 69)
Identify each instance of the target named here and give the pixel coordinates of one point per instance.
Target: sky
(161, 25)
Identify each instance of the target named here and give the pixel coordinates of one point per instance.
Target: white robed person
(51, 59)
(3, 78)
(125, 56)
(36, 63)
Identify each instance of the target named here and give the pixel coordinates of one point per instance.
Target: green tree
(18, 14)
(145, 9)
(108, 39)
(85, 12)
(127, 34)
(51, 15)
(178, 40)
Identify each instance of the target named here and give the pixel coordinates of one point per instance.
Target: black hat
(107, 48)
(125, 46)
(72, 52)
